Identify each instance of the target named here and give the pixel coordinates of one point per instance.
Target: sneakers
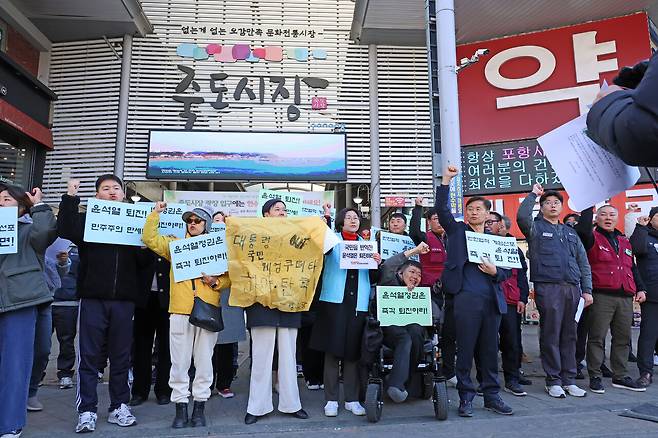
(226, 393)
(452, 381)
(628, 383)
(655, 360)
(465, 408)
(300, 372)
(355, 408)
(574, 391)
(479, 392)
(312, 386)
(65, 383)
(515, 389)
(86, 422)
(396, 394)
(122, 416)
(331, 409)
(555, 391)
(34, 405)
(12, 434)
(644, 380)
(498, 406)
(596, 386)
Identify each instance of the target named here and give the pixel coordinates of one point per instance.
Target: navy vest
(553, 251)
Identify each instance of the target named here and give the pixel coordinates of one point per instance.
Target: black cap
(269, 204)
(400, 215)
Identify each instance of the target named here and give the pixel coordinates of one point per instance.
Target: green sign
(293, 201)
(401, 306)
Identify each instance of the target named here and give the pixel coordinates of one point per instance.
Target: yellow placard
(275, 261)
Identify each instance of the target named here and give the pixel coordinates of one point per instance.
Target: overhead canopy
(402, 23)
(73, 20)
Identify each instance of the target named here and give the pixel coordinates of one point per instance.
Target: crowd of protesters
(123, 305)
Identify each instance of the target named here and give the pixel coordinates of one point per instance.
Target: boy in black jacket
(107, 287)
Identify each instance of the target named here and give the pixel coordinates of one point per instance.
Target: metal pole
(348, 195)
(448, 101)
(375, 197)
(122, 120)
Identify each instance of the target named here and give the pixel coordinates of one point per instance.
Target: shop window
(15, 164)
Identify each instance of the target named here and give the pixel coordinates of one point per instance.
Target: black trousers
(312, 360)
(222, 366)
(150, 323)
(407, 345)
(65, 326)
(477, 322)
(509, 343)
(646, 343)
(448, 338)
(106, 326)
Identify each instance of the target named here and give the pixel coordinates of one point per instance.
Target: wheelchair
(426, 381)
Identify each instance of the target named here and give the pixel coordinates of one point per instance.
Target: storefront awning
(391, 22)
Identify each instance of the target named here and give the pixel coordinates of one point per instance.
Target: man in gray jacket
(561, 275)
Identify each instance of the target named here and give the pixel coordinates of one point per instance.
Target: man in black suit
(479, 302)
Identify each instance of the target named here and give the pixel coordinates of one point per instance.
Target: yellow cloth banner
(275, 261)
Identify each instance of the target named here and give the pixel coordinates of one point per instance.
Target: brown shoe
(644, 380)
(525, 358)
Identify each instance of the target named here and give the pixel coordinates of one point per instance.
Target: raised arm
(584, 228)
(524, 214)
(442, 204)
(416, 234)
(70, 222)
(44, 225)
(152, 238)
(639, 237)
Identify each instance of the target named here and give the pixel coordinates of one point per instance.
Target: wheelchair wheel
(440, 400)
(374, 402)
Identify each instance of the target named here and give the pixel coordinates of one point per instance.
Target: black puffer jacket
(108, 272)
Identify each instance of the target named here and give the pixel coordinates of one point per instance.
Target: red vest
(433, 261)
(511, 288)
(611, 271)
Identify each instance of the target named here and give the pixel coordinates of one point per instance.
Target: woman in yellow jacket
(185, 340)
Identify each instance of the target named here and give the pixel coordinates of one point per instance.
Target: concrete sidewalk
(536, 415)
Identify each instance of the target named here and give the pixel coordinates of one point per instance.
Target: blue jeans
(42, 343)
(16, 352)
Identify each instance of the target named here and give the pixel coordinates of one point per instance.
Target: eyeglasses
(491, 222)
(195, 221)
(552, 203)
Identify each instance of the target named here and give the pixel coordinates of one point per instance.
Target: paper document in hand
(588, 173)
(579, 310)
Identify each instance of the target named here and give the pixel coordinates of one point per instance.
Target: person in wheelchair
(407, 341)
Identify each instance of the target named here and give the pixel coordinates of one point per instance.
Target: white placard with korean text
(8, 230)
(171, 219)
(357, 255)
(391, 244)
(501, 251)
(116, 223)
(588, 173)
(196, 255)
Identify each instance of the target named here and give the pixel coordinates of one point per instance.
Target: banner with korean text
(400, 306)
(8, 230)
(194, 256)
(501, 251)
(358, 255)
(276, 261)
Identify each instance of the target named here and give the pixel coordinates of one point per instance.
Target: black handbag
(205, 315)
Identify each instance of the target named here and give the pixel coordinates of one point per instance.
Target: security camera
(465, 62)
(481, 52)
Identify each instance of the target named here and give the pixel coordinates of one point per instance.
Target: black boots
(198, 418)
(181, 416)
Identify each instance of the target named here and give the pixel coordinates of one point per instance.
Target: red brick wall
(21, 51)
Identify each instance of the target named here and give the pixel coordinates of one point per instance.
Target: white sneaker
(555, 391)
(574, 391)
(655, 360)
(122, 416)
(331, 409)
(34, 405)
(355, 408)
(452, 381)
(312, 387)
(131, 379)
(65, 383)
(12, 434)
(86, 422)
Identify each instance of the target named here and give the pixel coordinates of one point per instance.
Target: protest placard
(501, 251)
(195, 255)
(276, 261)
(8, 230)
(218, 228)
(171, 219)
(357, 255)
(391, 244)
(115, 223)
(293, 201)
(588, 173)
(399, 306)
